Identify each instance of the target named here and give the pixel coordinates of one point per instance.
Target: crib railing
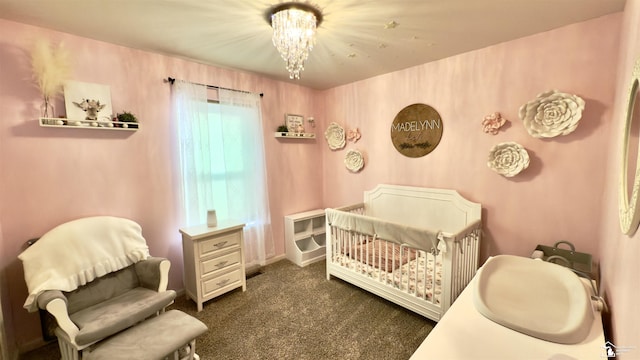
(424, 280)
(461, 261)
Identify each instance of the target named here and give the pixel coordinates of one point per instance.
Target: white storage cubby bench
(171, 334)
(305, 237)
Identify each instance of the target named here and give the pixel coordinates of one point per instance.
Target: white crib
(416, 247)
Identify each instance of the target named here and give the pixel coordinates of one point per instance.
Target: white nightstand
(213, 260)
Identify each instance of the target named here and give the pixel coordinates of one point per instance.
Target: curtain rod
(171, 80)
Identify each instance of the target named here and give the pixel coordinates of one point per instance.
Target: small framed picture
(295, 123)
(77, 93)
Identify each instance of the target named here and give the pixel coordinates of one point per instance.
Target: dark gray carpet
(290, 312)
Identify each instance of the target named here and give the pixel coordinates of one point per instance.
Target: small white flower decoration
(551, 114)
(354, 161)
(492, 123)
(508, 159)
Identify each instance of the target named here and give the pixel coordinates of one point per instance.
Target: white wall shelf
(290, 135)
(305, 237)
(88, 124)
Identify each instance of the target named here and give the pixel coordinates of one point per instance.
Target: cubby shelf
(290, 135)
(88, 124)
(305, 237)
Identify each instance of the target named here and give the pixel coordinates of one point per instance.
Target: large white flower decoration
(551, 114)
(508, 159)
(335, 136)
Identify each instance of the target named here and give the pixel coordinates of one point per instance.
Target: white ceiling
(352, 41)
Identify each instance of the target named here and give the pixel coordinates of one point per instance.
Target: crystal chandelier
(294, 33)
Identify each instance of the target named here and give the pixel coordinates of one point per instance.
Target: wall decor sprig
(51, 67)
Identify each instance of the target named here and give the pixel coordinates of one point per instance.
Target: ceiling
(354, 41)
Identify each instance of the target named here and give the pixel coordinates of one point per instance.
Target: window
(222, 163)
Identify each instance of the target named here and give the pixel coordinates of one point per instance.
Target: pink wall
(49, 176)
(620, 254)
(559, 197)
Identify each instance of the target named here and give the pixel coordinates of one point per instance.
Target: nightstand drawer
(220, 263)
(219, 243)
(211, 285)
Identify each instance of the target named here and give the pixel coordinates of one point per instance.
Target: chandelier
(294, 33)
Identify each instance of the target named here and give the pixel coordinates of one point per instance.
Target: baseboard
(275, 259)
(180, 292)
(31, 345)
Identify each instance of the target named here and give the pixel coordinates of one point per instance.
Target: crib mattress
(408, 276)
(463, 333)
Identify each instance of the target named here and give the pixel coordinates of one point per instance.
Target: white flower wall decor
(335, 136)
(354, 161)
(508, 159)
(552, 113)
(492, 123)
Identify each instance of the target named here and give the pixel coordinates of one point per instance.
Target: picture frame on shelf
(76, 92)
(294, 122)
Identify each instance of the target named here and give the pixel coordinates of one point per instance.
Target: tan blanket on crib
(402, 234)
(384, 255)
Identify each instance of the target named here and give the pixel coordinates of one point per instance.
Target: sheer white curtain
(190, 115)
(222, 163)
(248, 200)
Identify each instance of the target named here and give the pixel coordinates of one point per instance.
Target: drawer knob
(220, 244)
(223, 282)
(221, 264)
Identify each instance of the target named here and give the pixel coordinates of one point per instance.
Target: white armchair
(95, 276)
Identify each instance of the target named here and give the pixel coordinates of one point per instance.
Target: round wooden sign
(416, 130)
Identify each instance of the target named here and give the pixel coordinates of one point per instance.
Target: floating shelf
(295, 135)
(88, 124)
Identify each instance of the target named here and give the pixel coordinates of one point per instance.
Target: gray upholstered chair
(95, 276)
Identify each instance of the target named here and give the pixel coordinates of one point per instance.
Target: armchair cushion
(102, 289)
(148, 272)
(118, 313)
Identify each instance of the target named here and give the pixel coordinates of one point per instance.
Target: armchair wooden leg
(188, 352)
(68, 350)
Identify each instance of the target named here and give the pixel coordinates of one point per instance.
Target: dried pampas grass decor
(51, 67)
